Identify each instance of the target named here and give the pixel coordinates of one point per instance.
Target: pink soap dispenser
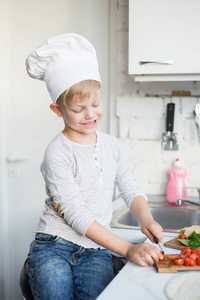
(176, 188)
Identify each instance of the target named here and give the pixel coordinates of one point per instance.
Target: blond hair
(81, 89)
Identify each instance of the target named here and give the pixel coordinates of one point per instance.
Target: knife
(170, 117)
(159, 245)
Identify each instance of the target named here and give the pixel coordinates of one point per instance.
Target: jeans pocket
(43, 238)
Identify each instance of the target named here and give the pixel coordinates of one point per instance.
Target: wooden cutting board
(163, 266)
(174, 244)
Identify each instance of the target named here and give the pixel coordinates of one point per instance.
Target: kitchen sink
(171, 217)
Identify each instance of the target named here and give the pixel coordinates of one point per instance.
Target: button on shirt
(81, 179)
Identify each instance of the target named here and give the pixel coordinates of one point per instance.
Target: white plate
(184, 287)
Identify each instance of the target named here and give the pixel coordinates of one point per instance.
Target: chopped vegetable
(198, 261)
(186, 251)
(172, 257)
(179, 261)
(190, 258)
(163, 254)
(187, 257)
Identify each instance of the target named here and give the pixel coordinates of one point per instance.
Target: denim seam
(33, 278)
(75, 288)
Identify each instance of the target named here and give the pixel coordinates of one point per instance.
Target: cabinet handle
(164, 62)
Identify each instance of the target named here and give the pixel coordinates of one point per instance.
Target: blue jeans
(61, 270)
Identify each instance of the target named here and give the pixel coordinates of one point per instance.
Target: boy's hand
(139, 207)
(104, 237)
(136, 252)
(151, 228)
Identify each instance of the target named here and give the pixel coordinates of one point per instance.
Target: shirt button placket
(96, 160)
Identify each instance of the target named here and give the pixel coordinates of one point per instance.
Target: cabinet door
(164, 37)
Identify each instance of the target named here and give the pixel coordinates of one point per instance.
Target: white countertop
(137, 282)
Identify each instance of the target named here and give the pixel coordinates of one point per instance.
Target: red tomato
(163, 254)
(193, 256)
(172, 257)
(187, 251)
(182, 236)
(179, 261)
(187, 261)
(198, 252)
(183, 249)
(192, 262)
(182, 256)
(198, 261)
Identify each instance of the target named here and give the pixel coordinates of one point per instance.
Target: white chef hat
(63, 61)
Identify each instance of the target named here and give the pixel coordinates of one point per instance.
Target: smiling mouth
(90, 124)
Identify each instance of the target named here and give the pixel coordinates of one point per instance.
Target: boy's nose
(89, 114)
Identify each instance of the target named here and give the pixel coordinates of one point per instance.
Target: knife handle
(156, 240)
(170, 117)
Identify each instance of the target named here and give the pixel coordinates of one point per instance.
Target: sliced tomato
(163, 254)
(181, 255)
(187, 261)
(172, 257)
(179, 261)
(192, 262)
(193, 256)
(184, 248)
(198, 261)
(182, 236)
(187, 251)
(198, 252)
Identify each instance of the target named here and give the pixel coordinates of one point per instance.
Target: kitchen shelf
(170, 96)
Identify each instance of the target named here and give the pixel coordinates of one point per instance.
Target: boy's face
(82, 116)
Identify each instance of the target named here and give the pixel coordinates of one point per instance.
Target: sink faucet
(180, 201)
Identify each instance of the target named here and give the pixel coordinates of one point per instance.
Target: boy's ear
(56, 109)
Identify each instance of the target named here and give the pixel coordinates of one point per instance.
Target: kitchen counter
(140, 283)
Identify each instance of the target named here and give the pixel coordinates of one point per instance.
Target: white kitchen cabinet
(164, 39)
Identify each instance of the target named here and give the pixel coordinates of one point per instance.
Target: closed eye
(96, 105)
(76, 111)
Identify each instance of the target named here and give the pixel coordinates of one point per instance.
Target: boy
(70, 257)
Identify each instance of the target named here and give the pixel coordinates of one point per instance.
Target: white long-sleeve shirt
(81, 179)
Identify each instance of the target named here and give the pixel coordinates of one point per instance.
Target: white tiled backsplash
(142, 119)
(141, 124)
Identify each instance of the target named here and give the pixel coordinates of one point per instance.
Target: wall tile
(146, 128)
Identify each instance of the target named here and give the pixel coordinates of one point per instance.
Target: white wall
(139, 121)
